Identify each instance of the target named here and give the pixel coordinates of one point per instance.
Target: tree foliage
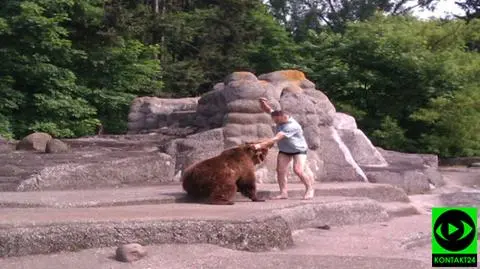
(60, 75)
(300, 16)
(399, 74)
(412, 85)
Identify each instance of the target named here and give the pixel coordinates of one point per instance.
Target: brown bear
(219, 178)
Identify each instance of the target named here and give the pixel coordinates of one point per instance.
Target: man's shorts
(293, 153)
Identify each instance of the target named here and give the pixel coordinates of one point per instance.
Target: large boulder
(56, 146)
(344, 121)
(415, 173)
(409, 159)
(339, 163)
(151, 113)
(361, 148)
(34, 142)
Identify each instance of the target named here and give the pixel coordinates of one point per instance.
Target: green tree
(36, 53)
(388, 68)
(205, 44)
(471, 9)
(300, 16)
(63, 69)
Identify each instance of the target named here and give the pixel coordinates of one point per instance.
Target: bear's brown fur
(219, 178)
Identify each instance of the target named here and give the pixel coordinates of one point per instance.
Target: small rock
(130, 252)
(324, 227)
(56, 146)
(475, 165)
(35, 142)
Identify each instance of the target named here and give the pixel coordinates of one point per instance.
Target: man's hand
(267, 143)
(264, 105)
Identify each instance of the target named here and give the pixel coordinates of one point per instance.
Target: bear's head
(258, 155)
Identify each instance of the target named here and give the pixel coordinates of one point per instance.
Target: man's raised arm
(265, 106)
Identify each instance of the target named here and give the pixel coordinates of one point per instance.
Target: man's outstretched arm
(268, 143)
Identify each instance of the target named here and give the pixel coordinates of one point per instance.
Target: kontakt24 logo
(454, 237)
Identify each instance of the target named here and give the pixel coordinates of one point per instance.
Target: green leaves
(454, 123)
(390, 134)
(61, 74)
(404, 77)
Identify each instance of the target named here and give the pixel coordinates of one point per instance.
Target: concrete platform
(174, 193)
(244, 226)
(395, 244)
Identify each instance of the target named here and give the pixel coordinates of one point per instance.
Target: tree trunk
(155, 6)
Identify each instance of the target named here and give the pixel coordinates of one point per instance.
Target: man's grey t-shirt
(294, 141)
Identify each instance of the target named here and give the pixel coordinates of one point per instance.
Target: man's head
(279, 116)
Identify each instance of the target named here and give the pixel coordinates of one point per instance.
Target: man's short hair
(278, 113)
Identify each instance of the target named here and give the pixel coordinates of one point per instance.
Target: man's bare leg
(299, 165)
(283, 162)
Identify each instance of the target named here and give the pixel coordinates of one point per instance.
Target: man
(292, 146)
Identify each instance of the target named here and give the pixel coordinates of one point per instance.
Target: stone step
(244, 226)
(8, 183)
(173, 193)
(6, 186)
(397, 209)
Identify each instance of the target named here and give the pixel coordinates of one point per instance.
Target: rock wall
(230, 114)
(151, 113)
(90, 162)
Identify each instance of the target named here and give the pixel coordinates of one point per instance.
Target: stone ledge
(396, 209)
(244, 226)
(173, 193)
(257, 235)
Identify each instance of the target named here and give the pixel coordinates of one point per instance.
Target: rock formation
(151, 113)
(230, 114)
(90, 162)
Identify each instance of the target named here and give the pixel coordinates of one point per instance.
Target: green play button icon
(451, 229)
